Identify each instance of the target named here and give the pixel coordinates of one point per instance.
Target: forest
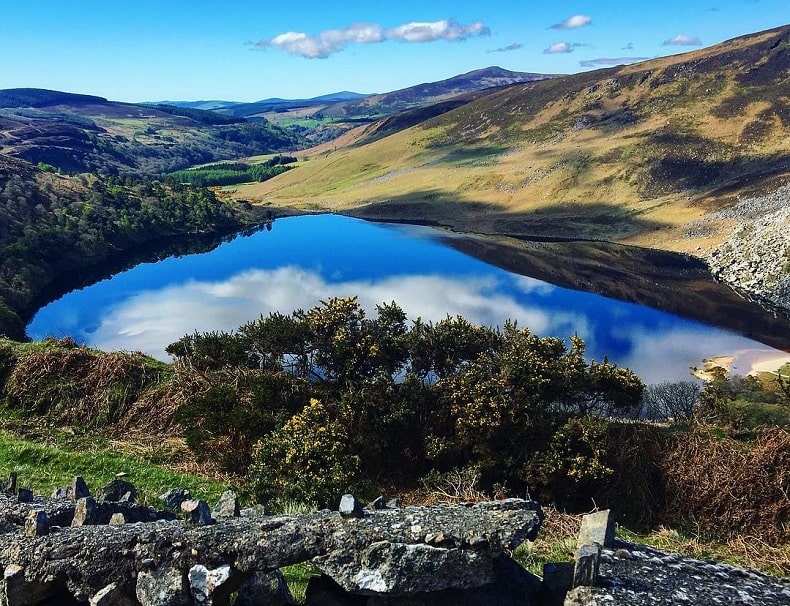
(231, 173)
(55, 224)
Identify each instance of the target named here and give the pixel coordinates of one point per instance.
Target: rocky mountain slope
(636, 154)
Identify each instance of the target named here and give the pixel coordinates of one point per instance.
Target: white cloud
(683, 40)
(326, 43)
(573, 22)
(506, 49)
(557, 48)
(608, 61)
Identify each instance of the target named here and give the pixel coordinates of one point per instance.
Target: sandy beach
(744, 363)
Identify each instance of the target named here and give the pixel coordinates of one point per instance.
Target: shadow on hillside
(560, 222)
(564, 245)
(671, 282)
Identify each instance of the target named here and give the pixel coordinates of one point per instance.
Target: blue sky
(245, 51)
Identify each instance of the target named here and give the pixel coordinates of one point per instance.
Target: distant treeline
(230, 173)
(199, 115)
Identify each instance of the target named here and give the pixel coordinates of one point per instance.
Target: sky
(240, 50)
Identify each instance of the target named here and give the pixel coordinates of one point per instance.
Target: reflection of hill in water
(151, 252)
(670, 282)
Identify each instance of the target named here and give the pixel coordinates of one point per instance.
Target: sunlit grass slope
(632, 154)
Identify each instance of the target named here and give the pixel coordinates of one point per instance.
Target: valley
(496, 284)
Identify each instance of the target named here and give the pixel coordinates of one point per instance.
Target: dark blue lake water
(306, 259)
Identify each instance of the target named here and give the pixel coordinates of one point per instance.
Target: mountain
(83, 133)
(673, 153)
(273, 104)
(429, 93)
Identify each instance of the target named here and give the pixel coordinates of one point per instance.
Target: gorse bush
(390, 399)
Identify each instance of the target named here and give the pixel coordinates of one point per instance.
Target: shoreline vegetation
(297, 409)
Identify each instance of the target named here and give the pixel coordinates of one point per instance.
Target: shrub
(305, 460)
(665, 401)
(728, 487)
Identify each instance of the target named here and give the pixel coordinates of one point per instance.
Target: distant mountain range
(352, 105)
(84, 133)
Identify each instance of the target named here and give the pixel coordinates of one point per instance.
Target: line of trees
(231, 173)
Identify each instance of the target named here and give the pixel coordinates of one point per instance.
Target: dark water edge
(670, 282)
(152, 251)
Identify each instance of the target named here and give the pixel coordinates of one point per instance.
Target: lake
(304, 260)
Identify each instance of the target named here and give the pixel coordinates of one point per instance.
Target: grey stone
(197, 512)
(648, 577)
(24, 495)
(116, 490)
(557, 581)
(10, 485)
(162, 587)
(160, 554)
(397, 568)
(378, 503)
(112, 595)
(60, 493)
(174, 497)
(264, 589)
(86, 512)
(393, 503)
(117, 519)
(510, 586)
(78, 489)
(597, 528)
(227, 506)
(16, 591)
(37, 524)
(585, 570)
(210, 586)
(350, 507)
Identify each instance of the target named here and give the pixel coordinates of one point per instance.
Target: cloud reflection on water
(151, 320)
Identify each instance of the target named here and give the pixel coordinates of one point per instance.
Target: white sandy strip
(769, 365)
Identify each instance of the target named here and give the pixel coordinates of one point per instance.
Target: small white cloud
(506, 49)
(609, 61)
(683, 40)
(557, 48)
(329, 42)
(573, 22)
(447, 29)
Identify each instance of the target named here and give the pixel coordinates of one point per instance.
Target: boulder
(197, 512)
(151, 562)
(78, 489)
(264, 589)
(117, 490)
(350, 507)
(227, 506)
(174, 497)
(638, 575)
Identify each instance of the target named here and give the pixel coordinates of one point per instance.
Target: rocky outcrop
(637, 575)
(386, 552)
(755, 258)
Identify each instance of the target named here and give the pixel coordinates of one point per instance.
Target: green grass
(44, 467)
(297, 576)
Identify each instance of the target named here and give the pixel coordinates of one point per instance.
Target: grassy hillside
(631, 154)
(80, 133)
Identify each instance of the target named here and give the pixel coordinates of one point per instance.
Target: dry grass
(730, 488)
